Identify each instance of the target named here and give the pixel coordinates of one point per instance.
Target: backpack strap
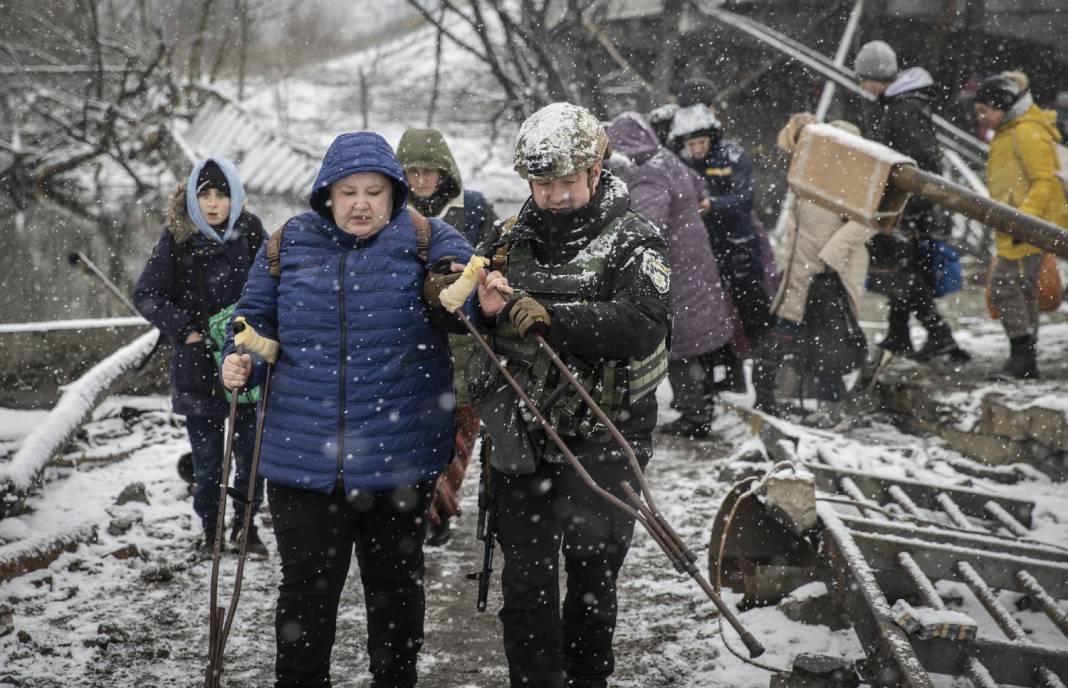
(422, 234)
(274, 253)
(422, 240)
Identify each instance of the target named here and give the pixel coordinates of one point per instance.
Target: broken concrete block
(134, 492)
(811, 604)
(157, 573)
(121, 525)
(818, 671)
(790, 498)
(127, 552)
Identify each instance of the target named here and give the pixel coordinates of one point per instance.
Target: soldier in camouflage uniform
(579, 268)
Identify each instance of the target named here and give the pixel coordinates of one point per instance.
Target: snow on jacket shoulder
(362, 389)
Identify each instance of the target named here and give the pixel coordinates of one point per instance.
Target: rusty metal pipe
(1054, 611)
(1008, 625)
(243, 543)
(1028, 228)
(216, 614)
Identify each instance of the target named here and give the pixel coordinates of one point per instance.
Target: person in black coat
(188, 289)
(902, 120)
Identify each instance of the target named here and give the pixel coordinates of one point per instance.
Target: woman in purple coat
(667, 192)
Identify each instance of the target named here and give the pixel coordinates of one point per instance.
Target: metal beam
(867, 608)
(977, 541)
(925, 495)
(1008, 662)
(939, 562)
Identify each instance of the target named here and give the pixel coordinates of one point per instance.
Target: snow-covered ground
(92, 619)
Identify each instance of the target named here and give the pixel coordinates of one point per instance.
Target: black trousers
(316, 536)
(741, 272)
(537, 516)
(207, 438)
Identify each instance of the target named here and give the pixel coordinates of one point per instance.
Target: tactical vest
(613, 383)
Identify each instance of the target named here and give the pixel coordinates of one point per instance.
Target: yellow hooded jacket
(1021, 172)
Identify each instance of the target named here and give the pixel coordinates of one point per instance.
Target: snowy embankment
(39, 447)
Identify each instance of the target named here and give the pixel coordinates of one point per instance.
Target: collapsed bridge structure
(880, 544)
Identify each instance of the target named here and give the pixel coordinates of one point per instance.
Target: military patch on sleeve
(654, 267)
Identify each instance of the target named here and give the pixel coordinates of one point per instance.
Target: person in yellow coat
(1021, 171)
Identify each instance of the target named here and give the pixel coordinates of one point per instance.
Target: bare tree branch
(436, 84)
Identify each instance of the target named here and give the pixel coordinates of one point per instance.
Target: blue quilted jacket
(362, 389)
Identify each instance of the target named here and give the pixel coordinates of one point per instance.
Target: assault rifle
(486, 529)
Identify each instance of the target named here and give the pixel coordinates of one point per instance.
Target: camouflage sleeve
(635, 315)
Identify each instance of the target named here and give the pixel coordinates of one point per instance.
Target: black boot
(438, 534)
(897, 338)
(764, 373)
(206, 546)
(939, 341)
(1022, 363)
(255, 547)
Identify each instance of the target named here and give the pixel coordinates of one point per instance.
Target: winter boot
(897, 339)
(1022, 363)
(686, 428)
(438, 534)
(939, 341)
(829, 414)
(764, 372)
(206, 547)
(255, 547)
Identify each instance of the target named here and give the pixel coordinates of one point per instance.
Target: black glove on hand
(439, 276)
(528, 316)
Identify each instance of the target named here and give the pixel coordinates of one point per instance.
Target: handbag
(1048, 289)
(833, 342)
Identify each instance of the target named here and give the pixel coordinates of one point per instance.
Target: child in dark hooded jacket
(188, 289)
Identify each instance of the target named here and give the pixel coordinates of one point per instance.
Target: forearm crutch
(643, 511)
(221, 619)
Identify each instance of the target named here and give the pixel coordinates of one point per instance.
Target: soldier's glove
(528, 316)
(439, 277)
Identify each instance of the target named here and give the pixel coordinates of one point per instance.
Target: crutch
(221, 619)
(642, 507)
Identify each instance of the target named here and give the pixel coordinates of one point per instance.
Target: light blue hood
(237, 199)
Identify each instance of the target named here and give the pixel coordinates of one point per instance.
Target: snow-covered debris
(78, 400)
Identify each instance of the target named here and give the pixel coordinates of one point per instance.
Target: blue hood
(359, 151)
(237, 199)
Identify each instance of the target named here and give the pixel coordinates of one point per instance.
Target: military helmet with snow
(559, 140)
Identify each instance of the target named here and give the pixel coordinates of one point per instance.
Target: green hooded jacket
(427, 148)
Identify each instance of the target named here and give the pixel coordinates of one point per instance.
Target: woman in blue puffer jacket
(359, 418)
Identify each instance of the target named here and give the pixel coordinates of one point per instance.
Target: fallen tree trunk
(38, 552)
(79, 398)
